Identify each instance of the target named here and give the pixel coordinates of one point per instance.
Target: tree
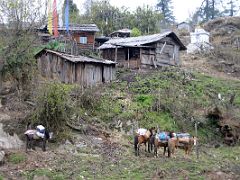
(231, 9)
(74, 15)
(209, 10)
(166, 8)
(19, 20)
(147, 20)
(135, 32)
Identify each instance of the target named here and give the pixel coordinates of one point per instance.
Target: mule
(172, 145)
(32, 137)
(157, 142)
(143, 139)
(187, 144)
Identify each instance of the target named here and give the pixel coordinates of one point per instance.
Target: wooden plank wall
(54, 67)
(170, 54)
(148, 56)
(109, 73)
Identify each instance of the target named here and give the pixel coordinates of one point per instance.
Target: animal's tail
(135, 143)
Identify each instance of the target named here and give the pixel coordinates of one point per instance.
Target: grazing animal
(32, 136)
(161, 140)
(143, 139)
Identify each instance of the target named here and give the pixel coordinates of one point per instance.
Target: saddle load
(37, 133)
(162, 136)
(141, 131)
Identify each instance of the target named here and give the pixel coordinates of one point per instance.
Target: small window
(83, 40)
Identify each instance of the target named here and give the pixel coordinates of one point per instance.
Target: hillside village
(96, 83)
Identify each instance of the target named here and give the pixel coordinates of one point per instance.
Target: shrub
(54, 106)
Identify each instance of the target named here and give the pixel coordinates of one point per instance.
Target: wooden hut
(151, 50)
(82, 34)
(74, 69)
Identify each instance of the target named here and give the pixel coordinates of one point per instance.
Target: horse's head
(171, 134)
(48, 135)
(152, 131)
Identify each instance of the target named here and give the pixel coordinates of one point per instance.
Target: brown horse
(187, 144)
(143, 139)
(160, 143)
(172, 145)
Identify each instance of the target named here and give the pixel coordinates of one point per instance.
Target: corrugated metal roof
(140, 41)
(80, 27)
(75, 27)
(75, 59)
(122, 31)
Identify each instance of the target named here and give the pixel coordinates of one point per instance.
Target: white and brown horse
(143, 139)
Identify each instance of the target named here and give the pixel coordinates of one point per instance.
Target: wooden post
(116, 50)
(128, 59)
(139, 64)
(196, 135)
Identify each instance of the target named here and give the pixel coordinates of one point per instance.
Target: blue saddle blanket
(183, 135)
(163, 136)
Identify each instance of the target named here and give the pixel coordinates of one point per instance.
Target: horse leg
(32, 144)
(149, 146)
(169, 152)
(27, 143)
(44, 141)
(136, 145)
(164, 150)
(138, 149)
(145, 146)
(155, 151)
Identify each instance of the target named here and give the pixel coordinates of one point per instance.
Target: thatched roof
(141, 41)
(74, 59)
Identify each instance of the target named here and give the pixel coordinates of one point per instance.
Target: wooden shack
(143, 51)
(74, 69)
(83, 34)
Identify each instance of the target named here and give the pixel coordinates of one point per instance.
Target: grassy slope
(170, 99)
(166, 99)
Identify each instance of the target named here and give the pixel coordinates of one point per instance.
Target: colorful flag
(67, 16)
(55, 19)
(50, 27)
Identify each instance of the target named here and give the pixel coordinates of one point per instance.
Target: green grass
(165, 99)
(127, 166)
(52, 175)
(17, 158)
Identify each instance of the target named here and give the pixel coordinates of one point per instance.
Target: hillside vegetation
(170, 98)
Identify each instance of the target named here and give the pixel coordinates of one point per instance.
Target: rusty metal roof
(75, 59)
(140, 41)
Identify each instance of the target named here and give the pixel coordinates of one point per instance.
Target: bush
(54, 106)
(135, 32)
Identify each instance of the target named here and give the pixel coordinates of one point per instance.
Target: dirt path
(201, 65)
